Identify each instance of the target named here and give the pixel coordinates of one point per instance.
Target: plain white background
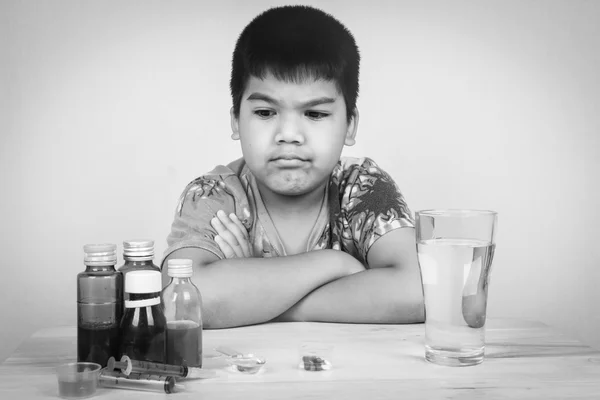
(108, 109)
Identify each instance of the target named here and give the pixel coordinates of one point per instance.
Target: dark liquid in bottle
(143, 332)
(97, 344)
(184, 343)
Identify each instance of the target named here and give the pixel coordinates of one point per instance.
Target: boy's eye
(316, 115)
(264, 113)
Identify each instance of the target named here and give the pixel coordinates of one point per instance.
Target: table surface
(524, 360)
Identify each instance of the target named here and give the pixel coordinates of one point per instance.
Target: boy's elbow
(213, 316)
(418, 305)
(409, 310)
(218, 313)
(419, 314)
(410, 301)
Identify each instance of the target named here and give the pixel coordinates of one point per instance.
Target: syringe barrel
(152, 383)
(154, 368)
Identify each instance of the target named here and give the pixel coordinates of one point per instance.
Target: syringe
(129, 366)
(152, 383)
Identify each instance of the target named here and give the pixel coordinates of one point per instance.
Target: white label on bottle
(142, 303)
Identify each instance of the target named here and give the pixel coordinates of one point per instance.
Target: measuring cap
(142, 249)
(180, 268)
(77, 380)
(100, 254)
(144, 281)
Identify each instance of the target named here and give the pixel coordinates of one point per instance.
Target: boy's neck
(301, 204)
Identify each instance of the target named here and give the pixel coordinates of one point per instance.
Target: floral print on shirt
(363, 204)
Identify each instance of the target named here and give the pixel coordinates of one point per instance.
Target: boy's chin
(292, 189)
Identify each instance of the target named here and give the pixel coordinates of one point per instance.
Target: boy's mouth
(288, 157)
(288, 160)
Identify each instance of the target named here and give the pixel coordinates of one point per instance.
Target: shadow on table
(515, 350)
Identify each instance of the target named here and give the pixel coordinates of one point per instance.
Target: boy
(291, 232)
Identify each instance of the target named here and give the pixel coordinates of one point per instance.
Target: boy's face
(292, 134)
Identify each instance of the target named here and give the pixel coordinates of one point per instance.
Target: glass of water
(455, 249)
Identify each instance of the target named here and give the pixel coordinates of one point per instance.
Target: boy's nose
(289, 130)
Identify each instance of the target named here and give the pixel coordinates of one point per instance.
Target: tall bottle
(183, 309)
(143, 326)
(137, 255)
(99, 304)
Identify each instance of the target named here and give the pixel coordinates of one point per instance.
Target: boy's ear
(235, 125)
(352, 129)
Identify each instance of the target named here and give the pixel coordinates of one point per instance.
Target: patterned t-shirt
(362, 204)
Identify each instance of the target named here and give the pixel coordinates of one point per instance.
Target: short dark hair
(295, 43)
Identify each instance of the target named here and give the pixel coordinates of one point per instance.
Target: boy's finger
(236, 231)
(225, 247)
(226, 235)
(245, 247)
(232, 241)
(218, 225)
(239, 224)
(244, 241)
(228, 222)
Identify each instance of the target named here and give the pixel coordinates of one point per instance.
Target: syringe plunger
(129, 366)
(153, 383)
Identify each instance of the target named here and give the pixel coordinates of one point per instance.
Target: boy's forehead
(307, 86)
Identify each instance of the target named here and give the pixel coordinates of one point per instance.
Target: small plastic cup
(77, 380)
(315, 356)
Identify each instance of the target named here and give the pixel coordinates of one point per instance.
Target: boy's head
(294, 85)
(295, 43)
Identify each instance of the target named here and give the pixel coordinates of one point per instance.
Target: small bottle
(143, 326)
(99, 304)
(183, 309)
(137, 255)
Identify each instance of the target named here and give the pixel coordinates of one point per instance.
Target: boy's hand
(232, 236)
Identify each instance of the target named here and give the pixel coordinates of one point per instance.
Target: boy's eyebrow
(311, 103)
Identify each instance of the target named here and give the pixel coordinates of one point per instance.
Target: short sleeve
(197, 205)
(372, 205)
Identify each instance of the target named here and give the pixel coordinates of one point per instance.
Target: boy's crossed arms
(323, 285)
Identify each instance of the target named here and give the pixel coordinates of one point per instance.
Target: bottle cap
(140, 249)
(100, 254)
(180, 268)
(143, 281)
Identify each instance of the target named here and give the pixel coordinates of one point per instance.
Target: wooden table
(524, 360)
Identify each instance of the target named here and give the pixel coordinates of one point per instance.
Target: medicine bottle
(99, 304)
(143, 327)
(183, 309)
(137, 255)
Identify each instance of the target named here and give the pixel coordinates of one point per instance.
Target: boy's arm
(244, 291)
(236, 289)
(389, 292)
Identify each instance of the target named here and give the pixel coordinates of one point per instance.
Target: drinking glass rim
(455, 212)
